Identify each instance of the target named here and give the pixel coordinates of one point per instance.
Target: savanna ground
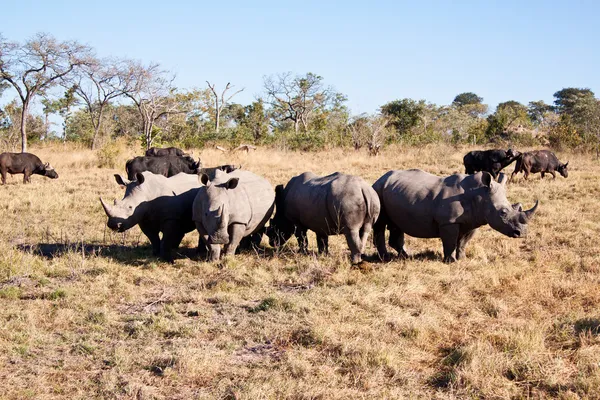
(86, 313)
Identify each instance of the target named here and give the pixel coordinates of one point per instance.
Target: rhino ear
(232, 183)
(120, 180)
(203, 178)
(486, 179)
(140, 178)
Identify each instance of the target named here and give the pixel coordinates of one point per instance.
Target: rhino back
(327, 204)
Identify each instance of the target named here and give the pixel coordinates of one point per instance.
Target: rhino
(329, 205)
(230, 207)
(423, 205)
(157, 204)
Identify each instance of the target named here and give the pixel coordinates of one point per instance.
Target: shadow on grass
(136, 256)
(591, 325)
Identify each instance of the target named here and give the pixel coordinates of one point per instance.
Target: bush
(564, 134)
(109, 155)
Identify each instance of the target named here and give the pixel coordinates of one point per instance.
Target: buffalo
(24, 163)
(542, 161)
(169, 151)
(492, 161)
(167, 166)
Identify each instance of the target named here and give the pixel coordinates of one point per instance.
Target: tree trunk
(296, 125)
(96, 129)
(218, 117)
(24, 112)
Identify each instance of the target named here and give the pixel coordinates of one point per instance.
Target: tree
(537, 111)
(221, 101)
(296, 98)
(97, 84)
(369, 130)
(466, 98)
(36, 66)
(151, 90)
(566, 99)
(508, 114)
(403, 114)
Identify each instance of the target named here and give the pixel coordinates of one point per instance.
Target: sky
(372, 51)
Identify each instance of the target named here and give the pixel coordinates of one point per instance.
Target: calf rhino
(422, 205)
(330, 205)
(492, 161)
(168, 151)
(166, 166)
(541, 161)
(24, 163)
(158, 204)
(231, 207)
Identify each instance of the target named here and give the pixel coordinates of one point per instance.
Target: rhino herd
(169, 194)
(231, 207)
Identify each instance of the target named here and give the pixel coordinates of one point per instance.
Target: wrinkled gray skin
(230, 207)
(422, 205)
(158, 204)
(330, 205)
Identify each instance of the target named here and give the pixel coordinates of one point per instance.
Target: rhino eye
(503, 212)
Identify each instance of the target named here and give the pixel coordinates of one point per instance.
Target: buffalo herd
(169, 194)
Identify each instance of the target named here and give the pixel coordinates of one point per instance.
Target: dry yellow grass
(517, 318)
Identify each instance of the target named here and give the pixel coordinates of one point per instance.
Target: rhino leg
(354, 243)
(396, 241)
(379, 236)
(172, 238)
(202, 249)
(449, 235)
(152, 234)
(236, 233)
(302, 239)
(463, 239)
(364, 235)
(323, 243)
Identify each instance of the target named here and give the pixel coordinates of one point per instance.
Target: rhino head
(215, 206)
(506, 218)
(280, 228)
(129, 211)
(49, 171)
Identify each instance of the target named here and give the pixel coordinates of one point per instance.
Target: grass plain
(87, 313)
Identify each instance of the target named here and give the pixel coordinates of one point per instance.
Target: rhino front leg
(379, 237)
(172, 238)
(354, 243)
(396, 241)
(462, 243)
(449, 235)
(323, 244)
(202, 249)
(236, 233)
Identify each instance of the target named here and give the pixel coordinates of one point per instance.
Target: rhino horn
(222, 224)
(529, 213)
(106, 207)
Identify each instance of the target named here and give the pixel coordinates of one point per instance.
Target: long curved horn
(529, 213)
(106, 207)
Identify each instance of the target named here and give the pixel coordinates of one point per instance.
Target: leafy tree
(537, 111)
(36, 66)
(508, 115)
(403, 114)
(566, 99)
(467, 98)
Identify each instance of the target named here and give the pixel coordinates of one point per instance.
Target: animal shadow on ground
(135, 256)
(587, 324)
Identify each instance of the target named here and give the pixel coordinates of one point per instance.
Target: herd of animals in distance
(167, 192)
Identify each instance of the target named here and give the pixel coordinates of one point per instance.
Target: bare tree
(151, 90)
(370, 131)
(220, 102)
(97, 84)
(36, 66)
(296, 98)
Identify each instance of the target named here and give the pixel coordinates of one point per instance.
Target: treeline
(102, 99)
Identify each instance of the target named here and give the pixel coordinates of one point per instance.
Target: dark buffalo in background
(492, 161)
(212, 170)
(26, 164)
(542, 161)
(169, 151)
(167, 166)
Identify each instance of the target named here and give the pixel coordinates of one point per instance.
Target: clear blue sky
(372, 51)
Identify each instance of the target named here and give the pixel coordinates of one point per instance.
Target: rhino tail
(372, 206)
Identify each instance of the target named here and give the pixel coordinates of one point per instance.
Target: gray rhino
(329, 205)
(230, 207)
(157, 204)
(422, 205)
